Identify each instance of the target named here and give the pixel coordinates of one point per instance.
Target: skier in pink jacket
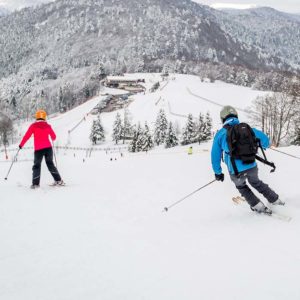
(41, 131)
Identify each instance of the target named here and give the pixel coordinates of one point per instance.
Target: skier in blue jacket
(247, 172)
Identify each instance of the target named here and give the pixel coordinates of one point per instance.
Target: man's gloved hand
(219, 177)
(20, 147)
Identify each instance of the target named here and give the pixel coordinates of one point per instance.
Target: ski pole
(180, 200)
(14, 159)
(285, 153)
(54, 154)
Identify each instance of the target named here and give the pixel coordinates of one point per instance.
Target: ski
(240, 200)
(55, 184)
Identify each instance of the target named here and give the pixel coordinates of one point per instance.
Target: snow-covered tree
(275, 114)
(165, 71)
(132, 144)
(189, 132)
(6, 129)
(97, 132)
(200, 129)
(171, 139)
(135, 144)
(296, 138)
(147, 142)
(161, 126)
(127, 127)
(140, 138)
(117, 129)
(207, 129)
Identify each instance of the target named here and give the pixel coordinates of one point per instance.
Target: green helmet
(228, 111)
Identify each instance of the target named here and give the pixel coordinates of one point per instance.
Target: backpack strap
(264, 160)
(232, 160)
(235, 169)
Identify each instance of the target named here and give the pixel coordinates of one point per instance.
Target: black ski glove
(20, 147)
(219, 177)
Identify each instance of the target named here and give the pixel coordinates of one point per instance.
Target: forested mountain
(61, 47)
(267, 30)
(134, 33)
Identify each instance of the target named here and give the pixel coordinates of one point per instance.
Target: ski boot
(34, 186)
(58, 183)
(278, 202)
(261, 208)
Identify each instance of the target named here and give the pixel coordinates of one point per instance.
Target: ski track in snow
(104, 235)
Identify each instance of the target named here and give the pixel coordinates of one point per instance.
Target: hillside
(179, 96)
(71, 34)
(106, 236)
(267, 30)
(64, 48)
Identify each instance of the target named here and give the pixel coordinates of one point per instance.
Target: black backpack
(243, 145)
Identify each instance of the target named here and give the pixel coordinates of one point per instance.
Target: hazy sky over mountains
(292, 6)
(18, 4)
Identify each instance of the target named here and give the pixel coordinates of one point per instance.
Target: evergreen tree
(147, 142)
(6, 129)
(161, 126)
(207, 131)
(101, 71)
(86, 91)
(139, 138)
(171, 139)
(189, 132)
(61, 101)
(127, 127)
(200, 129)
(132, 144)
(97, 131)
(165, 71)
(135, 143)
(204, 128)
(117, 129)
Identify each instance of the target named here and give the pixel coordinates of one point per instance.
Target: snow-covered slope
(105, 235)
(178, 96)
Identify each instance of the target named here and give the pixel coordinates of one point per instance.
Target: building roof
(121, 78)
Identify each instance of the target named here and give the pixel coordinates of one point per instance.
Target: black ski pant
(36, 169)
(252, 176)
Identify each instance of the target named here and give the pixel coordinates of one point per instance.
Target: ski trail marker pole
(180, 200)
(14, 159)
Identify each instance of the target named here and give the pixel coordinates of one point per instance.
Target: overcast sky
(292, 6)
(17, 4)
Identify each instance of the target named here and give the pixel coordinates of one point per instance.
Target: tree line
(166, 133)
(278, 114)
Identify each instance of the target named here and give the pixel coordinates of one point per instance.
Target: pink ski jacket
(40, 131)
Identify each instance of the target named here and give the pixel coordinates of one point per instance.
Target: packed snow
(106, 235)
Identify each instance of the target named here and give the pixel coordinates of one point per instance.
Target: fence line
(74, 148)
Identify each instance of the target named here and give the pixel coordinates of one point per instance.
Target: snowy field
(106, 236)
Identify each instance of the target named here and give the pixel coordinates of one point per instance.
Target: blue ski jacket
(220, 145)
